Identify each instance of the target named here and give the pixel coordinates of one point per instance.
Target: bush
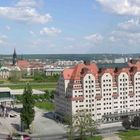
(136, 121)
(126, 124)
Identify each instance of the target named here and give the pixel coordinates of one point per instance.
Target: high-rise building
(106, 93)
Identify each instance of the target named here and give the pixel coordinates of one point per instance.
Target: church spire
(14, 57)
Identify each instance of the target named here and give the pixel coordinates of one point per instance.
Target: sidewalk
(111, 137)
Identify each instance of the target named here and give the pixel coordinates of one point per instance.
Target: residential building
(107, 93)
(51, 70)
(4, 73)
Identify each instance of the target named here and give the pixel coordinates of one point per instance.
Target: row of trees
(41, 77)
(48, 96)
(81, 125)
(134, 123)
(16, 76)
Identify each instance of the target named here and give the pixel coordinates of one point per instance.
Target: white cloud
(50, 31)
(132, 25)
(3, 39)
(8, 27)
(113, 39)
(69, 38)
(32, 33)
(122, 7)
(95, 38)
(124, 37)
(24, 13)
(26, 3)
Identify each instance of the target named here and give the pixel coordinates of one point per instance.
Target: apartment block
(107, 93)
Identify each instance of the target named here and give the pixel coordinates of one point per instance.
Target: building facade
(106, 93)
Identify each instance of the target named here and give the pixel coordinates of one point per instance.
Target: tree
(126, 123)
(39, 77)
(136, 121)
(15, 76)
(52, 92)
(27, 112)
(47, 95)
(91, 125)
(70, 129)
(81, 124)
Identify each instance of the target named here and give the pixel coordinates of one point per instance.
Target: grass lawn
(45, 105)
(95, 138)
(41, 86)
(130, 135)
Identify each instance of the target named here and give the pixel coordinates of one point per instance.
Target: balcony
(76, 98)
(114, 85)
(98, 96)
(115, 94)
(131, 93)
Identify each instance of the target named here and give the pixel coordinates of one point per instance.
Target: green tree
(80, 124)
(52, 92)
(70, 129)
(15, 76)
(47, 95)
(136, 121)
(27, 112)
(91, 125)
(39, 77)
(126, 123)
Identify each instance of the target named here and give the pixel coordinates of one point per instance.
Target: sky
(69, 26)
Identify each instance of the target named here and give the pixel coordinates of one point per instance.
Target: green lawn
(45, 105)
(41, 86)
(130, 135)
(95, 138)
(92, 138)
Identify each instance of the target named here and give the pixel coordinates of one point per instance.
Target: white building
(4, 73)
(107, 93)
(52, 70)
(120, 60)
(68, 62)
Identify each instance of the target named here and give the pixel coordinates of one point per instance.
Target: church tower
(14, 58)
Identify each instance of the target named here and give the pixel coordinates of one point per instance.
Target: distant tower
(14, 58)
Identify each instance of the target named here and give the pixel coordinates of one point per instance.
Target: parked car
(26, 137)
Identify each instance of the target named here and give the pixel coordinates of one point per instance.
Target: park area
(130, 135)
(34, 85)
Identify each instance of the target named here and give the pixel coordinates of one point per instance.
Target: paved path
(45, 126)
(111, 137)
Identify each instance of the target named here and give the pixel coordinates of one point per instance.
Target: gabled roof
(67, 73)
(75, 73)
(23, 64)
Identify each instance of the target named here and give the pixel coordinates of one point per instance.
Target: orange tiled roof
(67, 73)
(23, 64)
(75, 73)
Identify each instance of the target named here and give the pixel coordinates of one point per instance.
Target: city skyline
(52, 27)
